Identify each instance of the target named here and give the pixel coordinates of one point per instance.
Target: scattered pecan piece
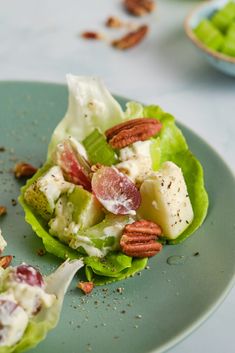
(139, 239)
(5, 261)
(113, 22)
(130, 131)
(3, 210)
(91, 35)
(139, 7)
(86, 287)
(131, 39)
(24, 170)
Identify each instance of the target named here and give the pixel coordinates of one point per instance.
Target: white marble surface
(40, 41)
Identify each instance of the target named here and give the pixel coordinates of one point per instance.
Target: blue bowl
(220, 61)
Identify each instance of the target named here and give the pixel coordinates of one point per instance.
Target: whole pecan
(131, 131)
(5, 261)
(139, 7)
(24, 170)
(139, 239)
(131, 39)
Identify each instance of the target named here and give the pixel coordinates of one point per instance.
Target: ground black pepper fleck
(13, 202)
(41, 252)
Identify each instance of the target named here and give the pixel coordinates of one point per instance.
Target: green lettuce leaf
(57, 283)
(90, 106)
(134, 110)
(114, 267)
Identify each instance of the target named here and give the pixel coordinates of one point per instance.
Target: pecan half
(139, 239)
(3, 210)
(5, 261)
(24, 170)
(86, 287)
(139, 7)
(131, 39)
(131, 131)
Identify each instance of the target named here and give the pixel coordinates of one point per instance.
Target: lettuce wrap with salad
(116, 185)
(30, 304)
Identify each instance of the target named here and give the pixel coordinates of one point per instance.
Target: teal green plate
(156, 309)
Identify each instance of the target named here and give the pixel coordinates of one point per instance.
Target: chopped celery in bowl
(211, 28)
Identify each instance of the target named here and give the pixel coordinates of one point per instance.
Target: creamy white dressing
(52, 185)
(12, 325)
(60, 225)
(87, 245)
(136, 161)
(113, 231)
(30, 298)
(112, 205)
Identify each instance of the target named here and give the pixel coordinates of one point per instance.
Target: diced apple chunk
(45, 191)
(87, 211)
(165, 200)
(76, 211)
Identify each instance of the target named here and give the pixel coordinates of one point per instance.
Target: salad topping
(71, 156)
(139, 239)
(13, 320)
(30, 304)
(114, 181)
(115, 191)
(126, 133)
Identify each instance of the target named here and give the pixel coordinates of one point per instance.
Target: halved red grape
(75, 167)
(115, 191)
(29, 275)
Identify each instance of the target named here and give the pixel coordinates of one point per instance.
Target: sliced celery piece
(229, 48)
(224, 17)
(229, 43)
(208, 34)
(231, 31)
(98, 150)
